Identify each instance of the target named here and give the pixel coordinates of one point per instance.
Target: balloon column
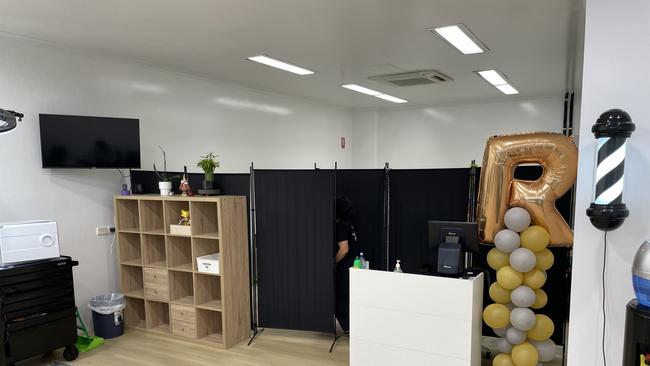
(521, 259)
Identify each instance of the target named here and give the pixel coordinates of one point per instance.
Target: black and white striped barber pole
(612, 129)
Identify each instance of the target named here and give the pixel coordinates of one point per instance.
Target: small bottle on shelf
(357, 263)
(398, 267)
(362, 260)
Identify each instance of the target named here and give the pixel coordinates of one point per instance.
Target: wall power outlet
(105, 230)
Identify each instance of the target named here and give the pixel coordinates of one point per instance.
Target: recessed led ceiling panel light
(391, 98)
(493, 77)
(498, 80)
(361, 89)
(461, 38)
(266, 60)
(507, 89)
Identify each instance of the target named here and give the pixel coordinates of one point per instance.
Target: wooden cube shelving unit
(164, 291)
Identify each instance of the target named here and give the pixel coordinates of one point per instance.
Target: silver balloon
(504, 346)
(517, 219)
(501, 332)
(546, 350)
(522, 319)
(507, 240)
(516, 336)
(523, 297)
(523, 260)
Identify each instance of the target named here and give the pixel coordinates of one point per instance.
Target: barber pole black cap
(612, 129)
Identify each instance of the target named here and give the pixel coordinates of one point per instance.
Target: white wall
(186, 115)
(447, 136)
(615, 75)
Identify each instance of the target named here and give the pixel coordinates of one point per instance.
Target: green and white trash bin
(108, 316)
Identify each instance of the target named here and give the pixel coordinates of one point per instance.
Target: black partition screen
(295, 249)
(417, 196)
(365, 188)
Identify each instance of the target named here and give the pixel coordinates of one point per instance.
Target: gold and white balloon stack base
(521, 259)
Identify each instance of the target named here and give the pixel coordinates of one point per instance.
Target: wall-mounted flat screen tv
(89, 142)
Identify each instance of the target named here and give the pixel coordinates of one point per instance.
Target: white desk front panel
(414, 319)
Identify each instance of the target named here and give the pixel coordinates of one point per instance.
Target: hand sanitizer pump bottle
(398, 267)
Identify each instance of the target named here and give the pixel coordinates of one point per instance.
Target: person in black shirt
(345, 251)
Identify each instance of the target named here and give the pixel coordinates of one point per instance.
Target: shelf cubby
(172, 210)
(134, 313)
(208, 291)
(127, 216)
(151, 217)
(129, 249)
(132, 281)
(157, 316)
(181, 290)
(204, 219)
(154, 253)
(201, 247)
(209, 326)
(179, 253)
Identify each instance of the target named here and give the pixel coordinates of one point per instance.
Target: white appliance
(208, 263)
(28, 241)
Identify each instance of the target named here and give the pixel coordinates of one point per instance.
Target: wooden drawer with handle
(156, 292)
(155, 276)
(183, 329)
(183, 313)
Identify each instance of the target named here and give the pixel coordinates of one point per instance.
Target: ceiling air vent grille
(412, 78)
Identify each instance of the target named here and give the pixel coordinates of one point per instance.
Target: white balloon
(501, 332)
(504, 346)
(522, 319)
(517, 219)
(545, 349)
(507, 240)
(516, 336)
(523, 297)
(523, 260)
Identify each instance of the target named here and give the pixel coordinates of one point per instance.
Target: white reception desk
(408, 319)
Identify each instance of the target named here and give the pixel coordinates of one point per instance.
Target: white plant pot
(165, 188)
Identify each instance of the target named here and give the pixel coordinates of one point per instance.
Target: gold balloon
(509, 278)
(534, 279)
(525, 354)
(497, 259)
(499, 294)
(545, 260)
(543, 328)
(503, 359)
(498, 190)
(535, 238)
(541, 299)
(496, 316)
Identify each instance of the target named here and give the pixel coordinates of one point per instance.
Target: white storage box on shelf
(208, 263)
(28, 241)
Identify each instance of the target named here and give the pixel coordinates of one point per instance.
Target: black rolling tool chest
(37, 309)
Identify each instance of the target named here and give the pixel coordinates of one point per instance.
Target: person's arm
(343, 250)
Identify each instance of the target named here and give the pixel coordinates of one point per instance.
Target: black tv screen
(89, 142)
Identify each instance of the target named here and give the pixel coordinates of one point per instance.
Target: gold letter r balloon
(498, 191)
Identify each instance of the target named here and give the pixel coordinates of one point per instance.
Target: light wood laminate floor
(272, 348)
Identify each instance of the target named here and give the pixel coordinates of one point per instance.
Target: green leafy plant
(164, 176)
(208, 163)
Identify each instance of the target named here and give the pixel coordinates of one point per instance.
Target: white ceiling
(344, 40)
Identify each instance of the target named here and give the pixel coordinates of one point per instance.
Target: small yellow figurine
(185, 218)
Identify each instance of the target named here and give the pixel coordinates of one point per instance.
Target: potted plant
(164, 179)
(208, 163)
